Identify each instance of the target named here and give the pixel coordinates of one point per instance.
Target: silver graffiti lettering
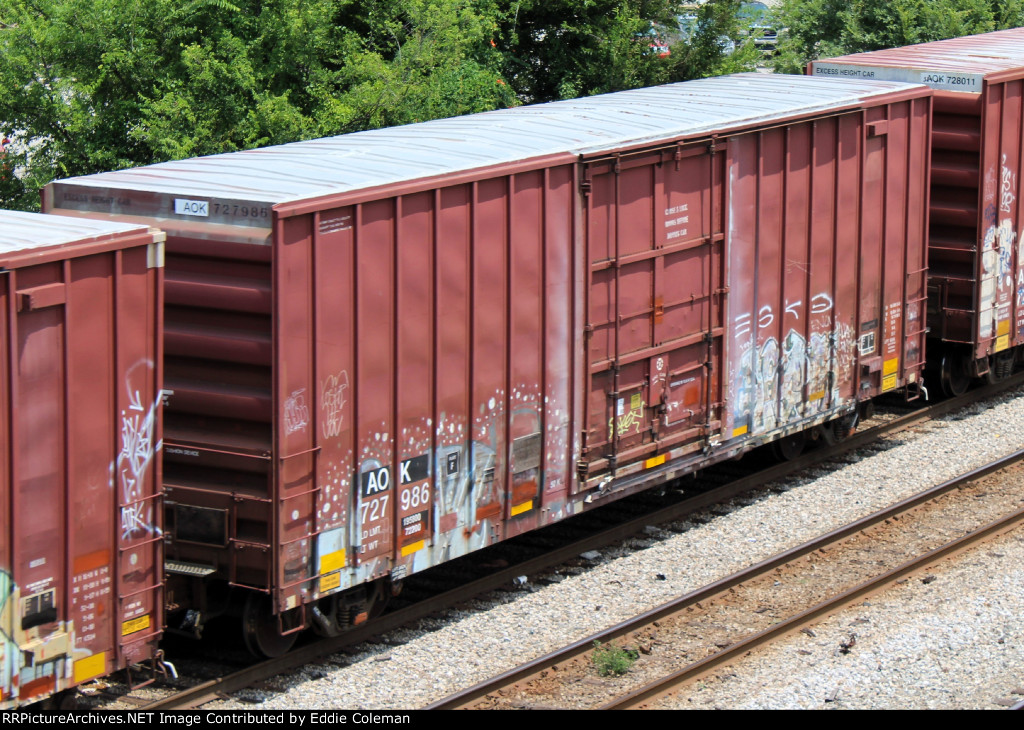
(1006, 196)
(333, 401)
(296, 412)
(137, 449)
(1007, 238)
(777, 382)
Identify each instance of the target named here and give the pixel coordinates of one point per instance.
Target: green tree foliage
(823, 28)
(413, 60)
(812, 30)
(560, 49)
(714, 42)
(93, 85)
(12, 187)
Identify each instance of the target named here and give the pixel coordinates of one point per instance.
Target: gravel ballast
(469, 646)
(953, 642)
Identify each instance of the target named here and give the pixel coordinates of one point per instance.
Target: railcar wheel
(844, 426)
(261, 631)
(65, 701)
(1000, 367)
(338, 613)
(789, 447)
(954, 377)
(380, 596)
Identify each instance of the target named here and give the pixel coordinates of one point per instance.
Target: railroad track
(535, 684)
(648, 695)
(501, 578)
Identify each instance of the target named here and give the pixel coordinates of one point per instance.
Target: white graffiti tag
(133, 461)
(1006, 195)
(742, 326)
(821, 303)
(296, 413)
(333, 403)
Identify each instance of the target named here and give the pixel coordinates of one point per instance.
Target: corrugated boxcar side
(81, 549)
(377, 364)
(420, 339)
(827, 290)
(219, 466)
(437, 370)
(761, 283)
(1001, 296)
(655, 289)
(976, 267)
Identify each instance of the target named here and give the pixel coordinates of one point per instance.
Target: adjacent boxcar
(81, 551)
(976, 267)
(390, 348)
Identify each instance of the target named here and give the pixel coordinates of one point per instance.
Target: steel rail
(642, 697)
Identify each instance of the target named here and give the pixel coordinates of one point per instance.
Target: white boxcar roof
(957, 64)
(27, 231)
(310, 169)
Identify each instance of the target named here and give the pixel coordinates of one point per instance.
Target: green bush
(611, 660)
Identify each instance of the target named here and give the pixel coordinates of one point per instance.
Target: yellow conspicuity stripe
(134, 625)
(654, 461)
(92, 666)
(520, 508)
(413, 547)
(332, 561)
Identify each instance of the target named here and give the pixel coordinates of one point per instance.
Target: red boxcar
(81, 548)
(390, 348)
(976, 267)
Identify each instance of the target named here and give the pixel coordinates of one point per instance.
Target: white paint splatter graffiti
(137, 449)
(332, 401)
(296, 412)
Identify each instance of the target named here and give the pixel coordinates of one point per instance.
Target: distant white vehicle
(756, 18)
(755, 21)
